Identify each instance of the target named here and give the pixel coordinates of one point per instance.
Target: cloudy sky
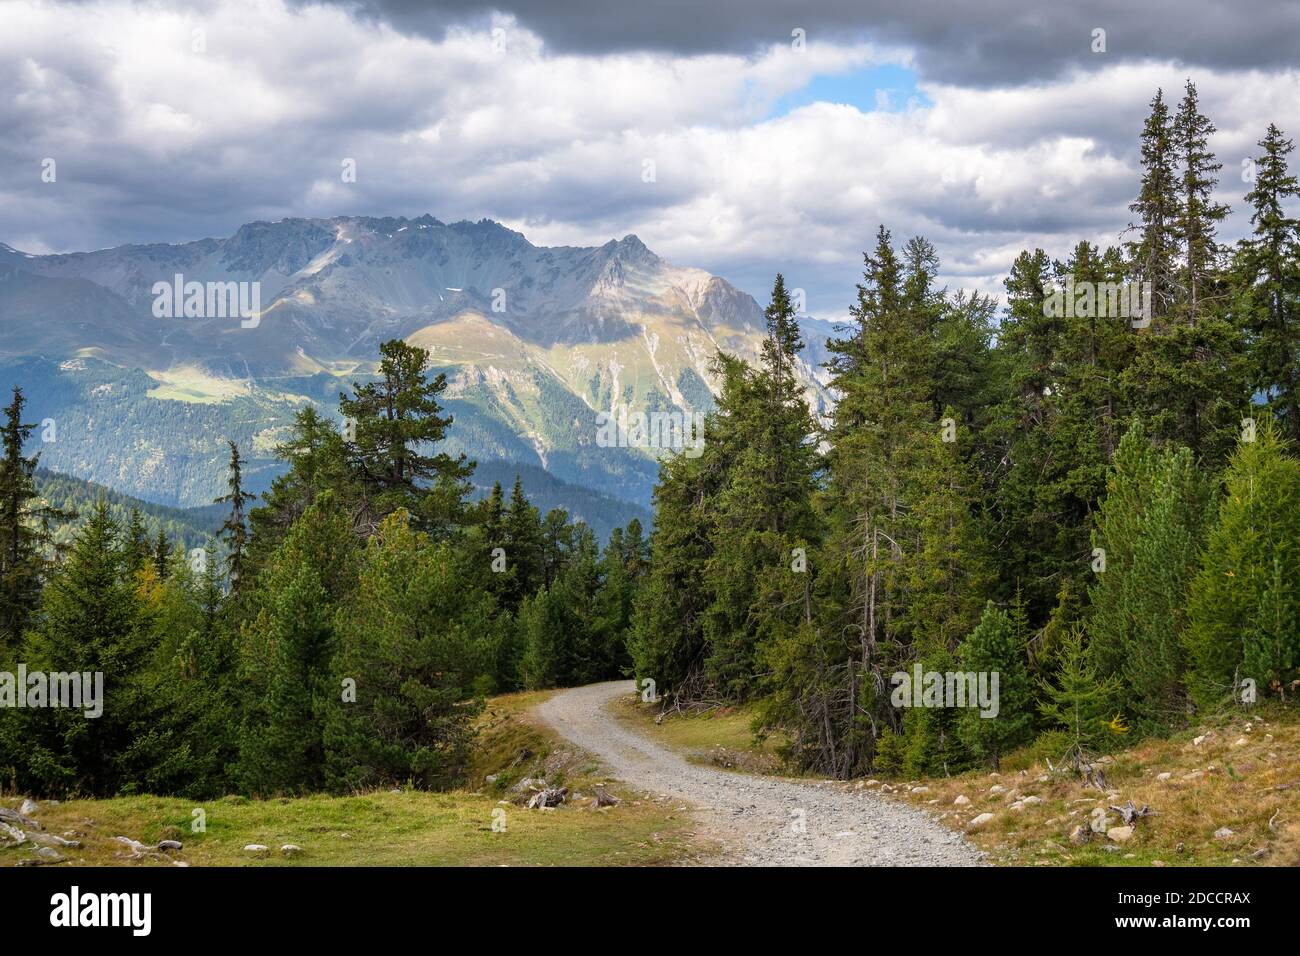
(778, 136)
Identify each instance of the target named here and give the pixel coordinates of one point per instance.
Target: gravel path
(757, 819)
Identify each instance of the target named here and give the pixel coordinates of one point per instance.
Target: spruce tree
(314, 453)
(1196, 224)
(1151, 527)
(418, 636)
(89, 624)
(286, 650)
(525, 548)
(161, 554)
(1268, 266)
(764, 510)
(1189, 378)
(949, 575)
(25, 519)
(1036, 514)
(1079, 703)
(999, 644)
(136, 546)
(234, 531)
(667, 642)
(1249, 584)
(1154, 253)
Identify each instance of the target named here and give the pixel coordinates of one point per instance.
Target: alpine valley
(535, 342)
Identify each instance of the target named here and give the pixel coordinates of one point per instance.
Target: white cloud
(158, 141)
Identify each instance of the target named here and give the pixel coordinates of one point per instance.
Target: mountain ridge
(536, 341)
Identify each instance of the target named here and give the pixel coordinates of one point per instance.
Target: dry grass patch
(718, 737)
(1228, 794)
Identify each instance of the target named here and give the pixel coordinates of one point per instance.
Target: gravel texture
(758, 821)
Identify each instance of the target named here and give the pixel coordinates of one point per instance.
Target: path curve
(756, 819)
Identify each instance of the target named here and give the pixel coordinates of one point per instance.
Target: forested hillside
(1095, 501)
(186, 527)
(1088, 496)
(341, 632)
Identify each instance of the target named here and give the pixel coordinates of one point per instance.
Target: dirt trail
(758, 819)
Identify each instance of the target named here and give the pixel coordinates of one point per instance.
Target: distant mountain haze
(535, 342)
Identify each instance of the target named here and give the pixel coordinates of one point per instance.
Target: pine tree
(525, 548)
(1270, 648)
(418, 636)
(89, 624)
(636, 550)
(235, 530)
(1079, 703)
(285, 753)
(764, 510)
(1268, 266)
(395, 419)
(557, 544)
(24, 527)
(314, 453)
(667, 639)
(1036, 514)
(885, 416)
(161, 555)
(999, 644)
(611, 613)
(1150, 532)
(1249, 584)
(869, 615)
(1189, 379)
(1094, 350)
(949, 576)
(286, 650)
(590, 649)
(137, 543)
(1154, 253)
(548, 623)
(1196, 223)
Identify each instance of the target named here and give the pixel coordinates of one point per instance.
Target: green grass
(720, 737)
(393, 829)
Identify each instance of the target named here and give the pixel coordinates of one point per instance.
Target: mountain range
(536, 342)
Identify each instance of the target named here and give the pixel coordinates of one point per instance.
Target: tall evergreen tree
(286, 651)
(396, 420)
(764, 510)
(160, 555)
(1154, 252)
(524, 546)
(1268, 266)
(89, 624)
(136, 546)
(1189, 380)
(25, 537)
(1196, 225)
(1249, 585)
(1149, 535)
(235, 529)
(314, 453)
(418, 635)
